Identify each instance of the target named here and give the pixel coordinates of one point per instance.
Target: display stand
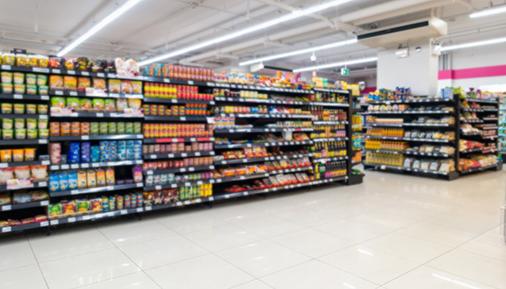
(422, 107)
(184, 183)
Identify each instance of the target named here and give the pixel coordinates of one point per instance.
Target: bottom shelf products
(68, 208)
(477, 162)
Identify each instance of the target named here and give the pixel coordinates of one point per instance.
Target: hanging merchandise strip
(115, 144)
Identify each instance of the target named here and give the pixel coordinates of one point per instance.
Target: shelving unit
(298, 162)
(502, 127)
(406, 152)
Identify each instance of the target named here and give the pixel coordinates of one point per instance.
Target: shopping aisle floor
(392, 232)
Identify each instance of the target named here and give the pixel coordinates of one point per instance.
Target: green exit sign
(345, 71)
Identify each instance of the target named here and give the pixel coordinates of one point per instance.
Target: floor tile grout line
(38, 263)
(444, 253)
(212, 253)
(131, 260)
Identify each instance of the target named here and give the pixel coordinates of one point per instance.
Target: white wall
(417, 71)
(473, 58)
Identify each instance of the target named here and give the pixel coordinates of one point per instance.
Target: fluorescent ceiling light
(488, 12)
(97, 27)
(299, 52)
(337, 64)
(474, 44)
(288, 17)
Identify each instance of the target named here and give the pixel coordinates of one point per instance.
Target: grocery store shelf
(263, 144)
(481, 151)
(429, 125)
(24, 227)
(97, 137)
(471, 121)
(177, 101)
(22, 164)
(19, 96)
(94, 165)
(427, 112)
(97, 115)
(180, 170)
(329, 139)
(478, 170)
(258, 100)
(96, 190)
(332, 159)
(333, 90)
(260, 159)
(178, 140)
(192, 118)
(61, 92)
(408, 139)
(15, 207)
(33, 185)
(162, 156)
(413, 101)
(22, 142)
(329, 122)
(24, 116)
(482, 101)
(259, 130)
(410, 170)
(94, 217)
(271, 115)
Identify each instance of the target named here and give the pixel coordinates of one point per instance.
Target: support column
(419, 70)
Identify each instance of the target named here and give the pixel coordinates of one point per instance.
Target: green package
(103, 128)
(32, 133)
(58, 102)
(120, 128)
(73, 103)
(112, 128)
(98, 104)
(137, 128)
(94, 128)
(129, 128)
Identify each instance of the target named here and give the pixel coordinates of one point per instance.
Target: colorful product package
(85, 152)
(73, 155)
(63, 178)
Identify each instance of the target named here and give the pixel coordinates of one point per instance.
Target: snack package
(72, 175)
(70, 82)
(30, 154)
(69, 208)
(55, 210)
(110, 105)
(63, 178)
(6, 156)
(18, 155)
(56, 82)
(110, 176)
(82, 179)
(74, 153)
(39, 173)
(85, 104)
(114, 86)
(91, 177)
(58, 102)
(83, 83)
(98, 104)
(83, 206)
(101, 178)
(55, 153)
(73, 103)
(99, 84)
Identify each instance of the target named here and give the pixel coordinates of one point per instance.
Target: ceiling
(156, 26)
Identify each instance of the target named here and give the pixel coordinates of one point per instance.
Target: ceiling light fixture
(337, 64)
(301, 51)
(488, 12)
(474, 44)
(288, 17)
(97, 27)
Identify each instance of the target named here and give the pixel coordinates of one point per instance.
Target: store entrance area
(389, 232)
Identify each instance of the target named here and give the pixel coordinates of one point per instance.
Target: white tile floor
(392, 232)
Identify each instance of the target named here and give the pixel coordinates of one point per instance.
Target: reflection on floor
(392, 232)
